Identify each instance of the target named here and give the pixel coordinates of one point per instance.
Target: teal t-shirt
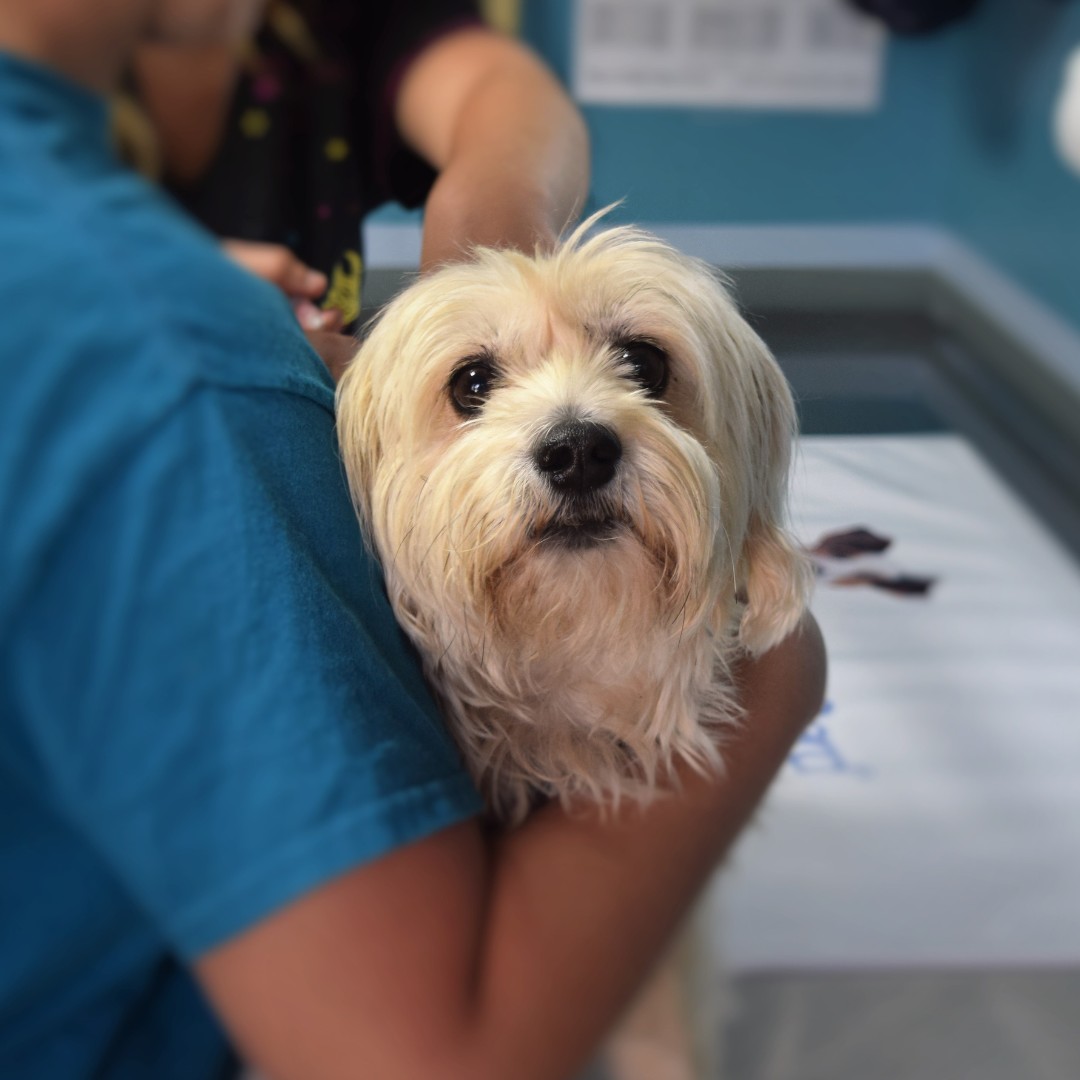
(206, 708)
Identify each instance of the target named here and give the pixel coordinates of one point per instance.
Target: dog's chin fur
(581, 646)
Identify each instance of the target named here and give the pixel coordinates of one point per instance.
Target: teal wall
(1008, 192)
(961, 140)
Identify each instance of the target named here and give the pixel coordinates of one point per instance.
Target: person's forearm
(548, 931)
(467, 959)
(558, 964)
(515, 178)
(510, 147)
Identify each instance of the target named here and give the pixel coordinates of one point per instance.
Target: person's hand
(302, 285)
(334, 349)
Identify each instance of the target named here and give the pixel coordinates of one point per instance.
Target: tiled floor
(907, 1026)
(986, 1025)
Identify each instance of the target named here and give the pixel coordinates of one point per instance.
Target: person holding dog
(231, 821)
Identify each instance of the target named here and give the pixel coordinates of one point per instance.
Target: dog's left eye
(646, 364)
(470, 386)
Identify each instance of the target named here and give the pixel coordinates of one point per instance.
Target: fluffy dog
(573, 468)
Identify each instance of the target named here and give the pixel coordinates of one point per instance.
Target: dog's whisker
(449, 645)
(680, 616)
(731, 555)
(404, 539)
(415, 518)
(435, 539)
(465, 623)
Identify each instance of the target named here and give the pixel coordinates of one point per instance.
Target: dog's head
(594, 430)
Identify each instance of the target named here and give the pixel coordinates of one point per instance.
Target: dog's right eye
(646, 364)
(470, 386)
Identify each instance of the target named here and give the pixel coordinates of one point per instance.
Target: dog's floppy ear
(358, 433)
(775, 575)
(778, 578)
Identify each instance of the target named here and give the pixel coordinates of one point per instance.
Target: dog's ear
(358, 433)
(777, 579)
(775, 574)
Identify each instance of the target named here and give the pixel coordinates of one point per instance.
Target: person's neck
(82, 45)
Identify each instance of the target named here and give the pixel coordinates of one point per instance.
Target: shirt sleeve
(220, 697)
(381, 41)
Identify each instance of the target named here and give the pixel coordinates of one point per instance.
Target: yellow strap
(504, 15)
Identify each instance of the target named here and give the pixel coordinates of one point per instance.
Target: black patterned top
(310, 146)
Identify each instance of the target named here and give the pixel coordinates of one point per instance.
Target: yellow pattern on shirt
(344, 291)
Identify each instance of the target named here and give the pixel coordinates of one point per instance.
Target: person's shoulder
(240, 327)
(108, 265)
(95, 257)
(119, 314)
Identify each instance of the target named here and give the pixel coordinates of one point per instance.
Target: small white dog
(573, 468)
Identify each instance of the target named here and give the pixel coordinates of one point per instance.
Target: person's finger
(333, 319)
(312, 317)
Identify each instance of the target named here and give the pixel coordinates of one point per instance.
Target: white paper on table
(931, 816)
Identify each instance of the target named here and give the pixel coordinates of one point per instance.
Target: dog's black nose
(578, 456)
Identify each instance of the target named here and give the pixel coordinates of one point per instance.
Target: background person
(330, 108)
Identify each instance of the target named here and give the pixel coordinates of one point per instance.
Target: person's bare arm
(510, 147)
(469, 958)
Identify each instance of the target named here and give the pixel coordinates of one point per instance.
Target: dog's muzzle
(578, 457)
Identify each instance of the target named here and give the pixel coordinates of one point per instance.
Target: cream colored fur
(576, 672)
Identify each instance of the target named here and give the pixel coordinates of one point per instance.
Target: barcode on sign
(613, 24)
(725, 29)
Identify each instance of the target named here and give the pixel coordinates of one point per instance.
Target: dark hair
(916, 16)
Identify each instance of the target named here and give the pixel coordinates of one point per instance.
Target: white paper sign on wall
(781, 54)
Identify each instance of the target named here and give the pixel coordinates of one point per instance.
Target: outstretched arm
(510, 147)
(469, 958)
